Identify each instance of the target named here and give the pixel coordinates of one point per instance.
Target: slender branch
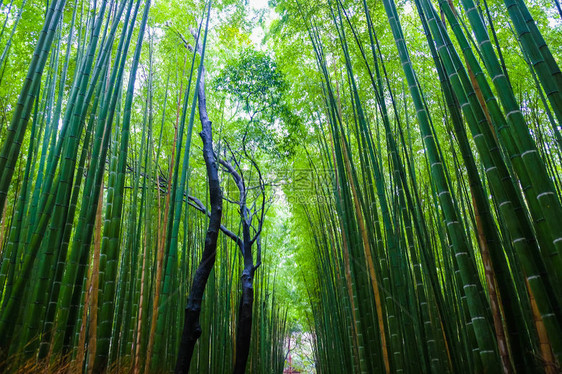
(198, 205)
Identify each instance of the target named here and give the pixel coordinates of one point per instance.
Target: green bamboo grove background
(412, 156)
(99, 224)
(439, 240)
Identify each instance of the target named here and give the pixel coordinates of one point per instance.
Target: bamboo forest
(280, 186)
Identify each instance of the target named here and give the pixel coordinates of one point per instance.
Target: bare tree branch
(197, 204)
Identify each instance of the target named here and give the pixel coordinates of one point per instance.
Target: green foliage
(256, 90)
(253, 81)
(385, 168)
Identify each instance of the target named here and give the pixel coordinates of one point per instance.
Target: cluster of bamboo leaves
(438, 245)
(97, 244)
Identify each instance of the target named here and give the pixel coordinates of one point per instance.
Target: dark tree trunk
(244, 332)
(192, 328)
(244, 321)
